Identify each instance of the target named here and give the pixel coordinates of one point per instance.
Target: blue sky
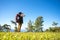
(49, 9)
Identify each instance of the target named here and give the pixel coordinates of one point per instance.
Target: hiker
(19, 20)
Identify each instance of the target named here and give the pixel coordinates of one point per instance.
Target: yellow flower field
(29, 36)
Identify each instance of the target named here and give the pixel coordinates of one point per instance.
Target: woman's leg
(19, 27)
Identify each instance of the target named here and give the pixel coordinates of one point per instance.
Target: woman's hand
(22, 15)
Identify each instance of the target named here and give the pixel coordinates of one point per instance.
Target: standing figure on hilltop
(19, 20)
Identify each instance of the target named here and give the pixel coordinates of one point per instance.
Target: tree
(1, 28)
(54, 24)
(30, 27)
(15, 25)
(15, 29)
(55, 28)
(6, 28)
(38, 24)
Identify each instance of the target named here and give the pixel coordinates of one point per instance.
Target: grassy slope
(29, 36)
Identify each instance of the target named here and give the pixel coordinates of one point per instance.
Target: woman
(19, 20)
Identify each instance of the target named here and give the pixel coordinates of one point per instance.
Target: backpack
(17, 18)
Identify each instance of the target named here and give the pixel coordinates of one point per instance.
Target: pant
(19, 27)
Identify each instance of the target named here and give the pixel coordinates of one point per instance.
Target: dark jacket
(19, 19)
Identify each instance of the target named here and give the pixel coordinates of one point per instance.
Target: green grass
(29, 36)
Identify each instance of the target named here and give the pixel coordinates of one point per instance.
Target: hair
(20, 13)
